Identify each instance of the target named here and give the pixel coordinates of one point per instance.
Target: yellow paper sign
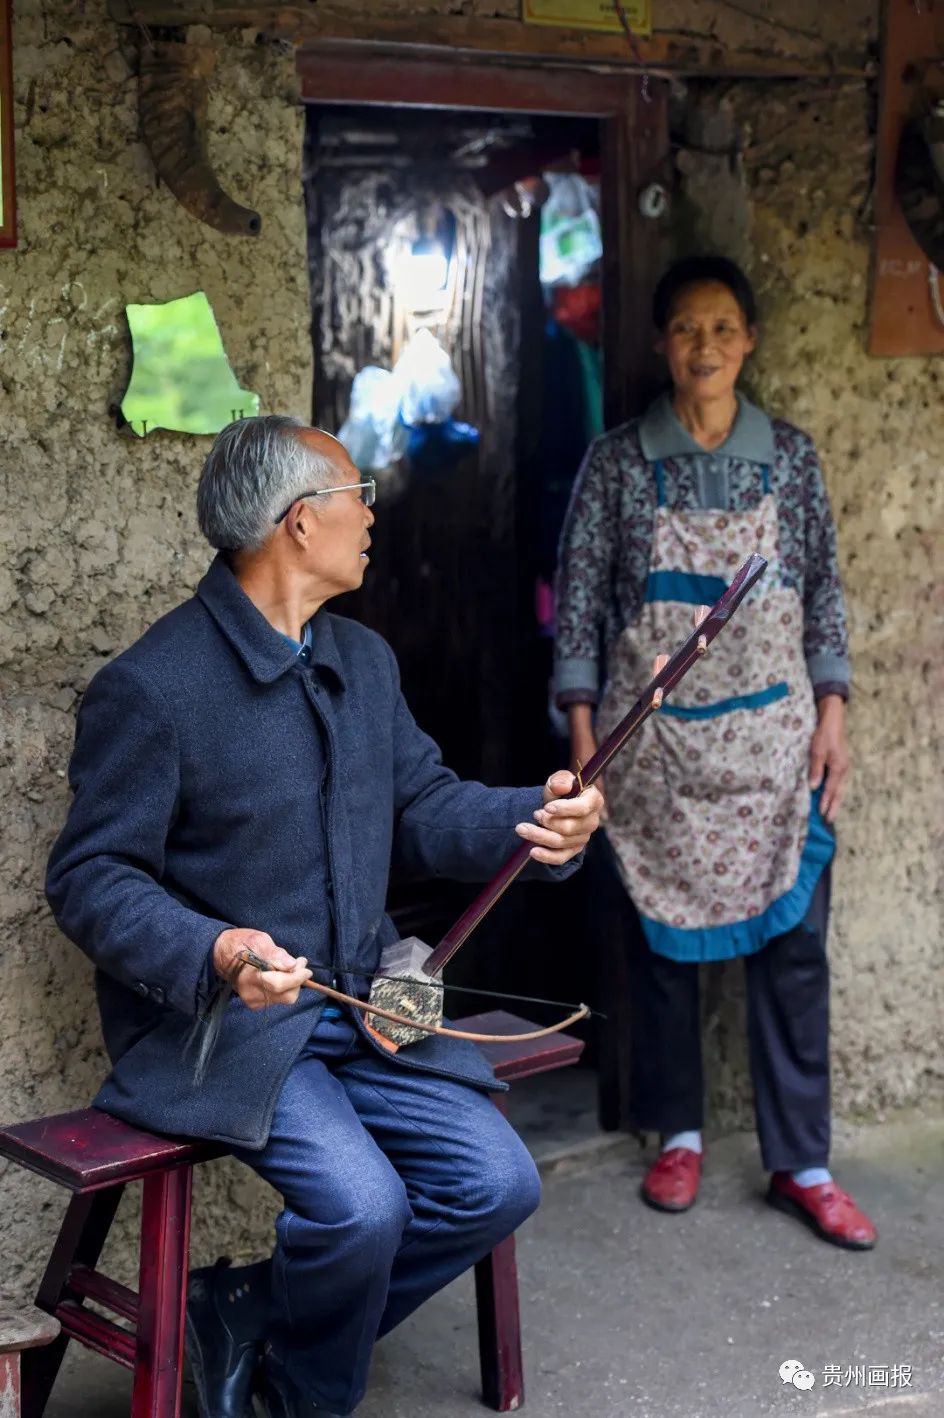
(589, 14)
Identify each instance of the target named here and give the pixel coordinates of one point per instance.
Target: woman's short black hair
(695, 270)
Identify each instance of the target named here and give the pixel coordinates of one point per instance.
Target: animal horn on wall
(173, 104)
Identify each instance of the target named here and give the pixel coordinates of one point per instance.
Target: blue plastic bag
(437, 447)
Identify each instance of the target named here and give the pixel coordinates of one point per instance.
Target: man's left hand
(565, 825)
(829, 755)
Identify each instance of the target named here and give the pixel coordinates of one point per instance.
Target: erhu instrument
(409, 981)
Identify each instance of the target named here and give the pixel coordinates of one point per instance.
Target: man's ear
(298, 523)
(751, 339)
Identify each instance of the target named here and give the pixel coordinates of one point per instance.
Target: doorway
(469, 510)
(464, 545)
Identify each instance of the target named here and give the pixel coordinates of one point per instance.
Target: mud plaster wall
(97, 532)
(806, 174)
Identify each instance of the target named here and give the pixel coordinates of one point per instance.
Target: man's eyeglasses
(368, 495)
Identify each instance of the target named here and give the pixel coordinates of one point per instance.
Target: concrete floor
(629, 1312)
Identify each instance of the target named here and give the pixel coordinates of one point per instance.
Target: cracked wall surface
(97, 533)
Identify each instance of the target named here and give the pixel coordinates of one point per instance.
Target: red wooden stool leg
(165, 1246)
(496, 1295)
(10, 1384)
(81, 1238)
(496, 1298)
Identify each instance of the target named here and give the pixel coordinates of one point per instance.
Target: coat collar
(266, 653)
(661, 435)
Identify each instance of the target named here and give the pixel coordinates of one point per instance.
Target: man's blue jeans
(394, 1183)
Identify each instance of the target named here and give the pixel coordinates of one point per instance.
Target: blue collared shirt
(302, 647)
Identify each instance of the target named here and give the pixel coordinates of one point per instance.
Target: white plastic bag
(428, 386)
(372, 432)
(571, 241)
(423, 389)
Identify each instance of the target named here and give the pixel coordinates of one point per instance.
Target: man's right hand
(257, 988)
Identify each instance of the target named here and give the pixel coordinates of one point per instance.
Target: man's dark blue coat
(220, 782)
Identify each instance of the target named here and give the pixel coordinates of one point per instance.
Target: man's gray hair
(256, 468)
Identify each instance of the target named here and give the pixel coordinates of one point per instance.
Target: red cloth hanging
(577, 309)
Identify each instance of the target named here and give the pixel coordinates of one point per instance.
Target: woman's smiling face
(706, 340)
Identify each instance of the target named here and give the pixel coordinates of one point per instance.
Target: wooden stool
(21, 1327)
(95, 1156)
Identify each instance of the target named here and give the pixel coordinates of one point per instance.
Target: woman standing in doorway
(720, 814)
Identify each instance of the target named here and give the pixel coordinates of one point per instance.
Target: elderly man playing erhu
(244, 775)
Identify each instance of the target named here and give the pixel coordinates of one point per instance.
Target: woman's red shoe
(826, 1209)
(671, 1184)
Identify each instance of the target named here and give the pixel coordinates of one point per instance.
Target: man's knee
(522, 1189)
(362, 1216)
(506, 1189)
(379, 1213)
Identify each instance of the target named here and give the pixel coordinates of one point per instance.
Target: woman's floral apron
(709, 806)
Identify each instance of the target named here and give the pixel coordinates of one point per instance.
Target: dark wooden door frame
(635, 148)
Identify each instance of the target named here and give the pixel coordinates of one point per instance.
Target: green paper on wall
(180, 376)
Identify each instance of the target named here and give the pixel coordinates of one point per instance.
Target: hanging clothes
(573, 405)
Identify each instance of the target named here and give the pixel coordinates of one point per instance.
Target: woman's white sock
(691, 1140)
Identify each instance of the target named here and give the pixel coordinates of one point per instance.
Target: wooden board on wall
(903, 317)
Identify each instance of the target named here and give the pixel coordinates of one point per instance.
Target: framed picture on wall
(7, 185)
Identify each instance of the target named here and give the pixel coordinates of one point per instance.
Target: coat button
(140, 988)
(158, 995)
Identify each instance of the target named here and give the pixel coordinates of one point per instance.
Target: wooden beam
(665, 51)
(344, 74)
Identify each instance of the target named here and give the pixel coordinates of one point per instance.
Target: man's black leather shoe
(283, 1398)
(223, 1366)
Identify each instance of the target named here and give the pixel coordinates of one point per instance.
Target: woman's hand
(829, 754)
(564, 825)
(256, 988)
